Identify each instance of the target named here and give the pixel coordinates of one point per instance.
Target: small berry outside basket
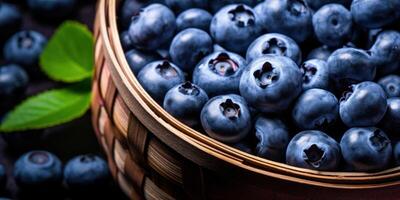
(154, 156)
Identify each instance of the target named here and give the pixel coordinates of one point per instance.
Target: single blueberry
(226, 118)
(333, 25)
(391, 120)
(158, 77)
(24, 48)
(313, 150)
(275, 44)
(364, 104)
(38, 170)
(322, 53)
(138, 59)
(272, 138)
(234, 27)
(185, 102)
(152, 27)
(130, 8)
(375, 13)
(217, 47)
(190, 46)
(316, 4)
(349, 65)
(386, 52)
(271, 83)
(219, 73)
(391, 85)
(217, 5)
(13, 81)
(315, 109)
(315, 74)
(366, 149)
(10, 20)
(194, 18)
(51, 9)
(178, 5)
(86, 172)
(289, 17)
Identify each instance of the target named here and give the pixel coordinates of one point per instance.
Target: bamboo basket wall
(153, 156)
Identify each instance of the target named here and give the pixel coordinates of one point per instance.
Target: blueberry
(188, 47)
(349, 65)
(386, 51)
(272, 138)
(396, 153)
(333, 25)
(194, 18)
(391, 85)
(289, 17)
(313, 150)
(13, 81)
(152, 27)
(38, 170)
(158, 77)
(126, 41)
(217, 5)
(51, 9)
(271, 83)
(315, 74)
(219, 73)
(178, 5)
(375, 13)
(86, 172)
(316, 4)
(391, 120)
(364, 104)
(322, 53)
(130, 8)
(10, 20)
(275, 44)
(138, 59)
(24, 48)
(234, 27)
(366, 149)
(185, 102)
(226, 118)
(315, 109)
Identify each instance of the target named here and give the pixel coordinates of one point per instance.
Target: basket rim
(346, 180)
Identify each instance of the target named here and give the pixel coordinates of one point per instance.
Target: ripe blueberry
(226, 118)
(271, 83)
(185, 102)
(315, 74)
(313, 150)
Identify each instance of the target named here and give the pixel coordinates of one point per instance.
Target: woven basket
(154, 156)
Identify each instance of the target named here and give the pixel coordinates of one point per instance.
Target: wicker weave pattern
(149, 161)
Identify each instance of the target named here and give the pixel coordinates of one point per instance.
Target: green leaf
(69, 55)
(49, 108)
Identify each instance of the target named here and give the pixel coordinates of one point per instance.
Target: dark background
(66, 141)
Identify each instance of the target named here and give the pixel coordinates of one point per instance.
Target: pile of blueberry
(310, 83)
(38, 172)
(22, 48)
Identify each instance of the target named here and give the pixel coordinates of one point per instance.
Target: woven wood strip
(120, 156)
(164, 161)
(121, 116)
(152, 192)
(109, 135)
(127, 187)
(135, 173)
(105, 77)
(138, 137)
